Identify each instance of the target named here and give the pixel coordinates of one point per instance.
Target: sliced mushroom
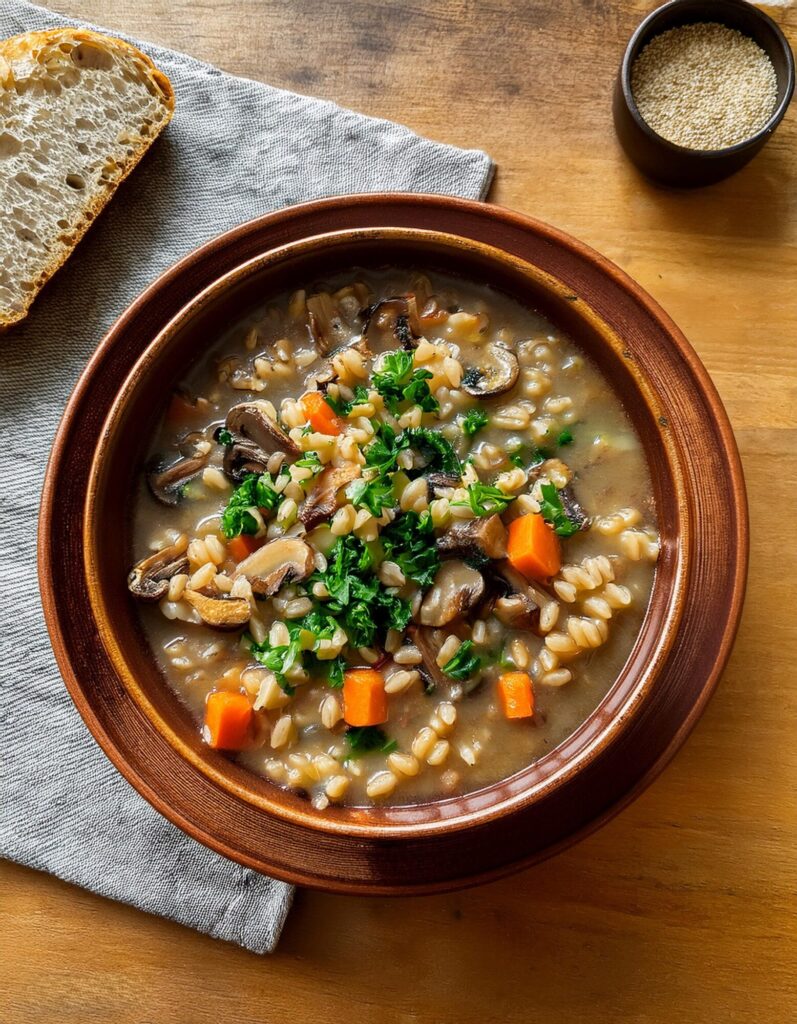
(456, 588)
(322, 502)
(517, 611)
(400, 313)
(474, 538)
(243, 457)
(254, 423)
(444, 481)
(575, 513)
(320, 379)
(149, 579)
(431, 673)
(282, 561)
(324, 320)
(219, 612)
(166, 484)
(496, 374)
(519, 586)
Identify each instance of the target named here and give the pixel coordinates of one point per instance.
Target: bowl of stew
(401, 550)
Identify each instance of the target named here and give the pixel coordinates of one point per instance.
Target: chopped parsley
(309, 461)
(384, 450)
(564, 438)
(223, 436)
(281, 659)
(530, 455)
(486, 500)
(409, 541)
(464, 664)
(553, 512)
(256, 492)
(473, 422)
(358, 600)
(399, 381)
(431, 444)
(375, 495)
(363, 739)
(341, 406)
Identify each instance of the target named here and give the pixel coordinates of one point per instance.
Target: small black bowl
(665, 162)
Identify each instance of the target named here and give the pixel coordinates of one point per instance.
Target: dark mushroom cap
(243, 457)
(456, 589)
(401, 313)
(252, 421)
(149, 578)
(496, 374)
(274, 565)
(322, 502)
(166, 484)
(474, 538)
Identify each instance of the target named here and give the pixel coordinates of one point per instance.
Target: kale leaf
(553, 512)
(473, 421)
(363, 739)
(464, 664)
(409, 542)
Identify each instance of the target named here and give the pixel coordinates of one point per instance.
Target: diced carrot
(228, 720)
(364, 698)
(320, 414)
(516, 695)
(242, 546)
(532, 547)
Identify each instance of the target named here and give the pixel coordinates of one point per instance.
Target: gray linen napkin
(235, 150)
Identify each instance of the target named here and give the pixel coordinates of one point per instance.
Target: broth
(559, 426)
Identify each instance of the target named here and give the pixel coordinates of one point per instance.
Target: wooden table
(683, 907)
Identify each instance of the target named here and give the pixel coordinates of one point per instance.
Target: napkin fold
(235, 150)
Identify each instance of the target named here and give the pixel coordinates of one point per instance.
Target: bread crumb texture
(77, 112)
(704, 86)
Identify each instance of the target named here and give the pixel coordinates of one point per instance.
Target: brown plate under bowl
(685, 639)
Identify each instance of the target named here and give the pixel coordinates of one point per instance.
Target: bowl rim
(589, 738)
(365, 869)
(640, 38)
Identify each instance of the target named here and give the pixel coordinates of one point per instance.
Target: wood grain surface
(682, 908)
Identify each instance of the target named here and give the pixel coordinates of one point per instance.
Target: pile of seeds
(704, 86)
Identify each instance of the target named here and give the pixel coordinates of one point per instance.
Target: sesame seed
(704, 86)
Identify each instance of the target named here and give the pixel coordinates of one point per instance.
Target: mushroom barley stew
(400, 540)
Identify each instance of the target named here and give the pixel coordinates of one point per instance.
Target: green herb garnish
(530, 455)
(363, 739)
(376, 495)
(473, 421)
(409, 542)
(565, 437)
(341, 406)
(464, 664)
(223, 436)
(486, 500)
(358, 600)
(399, 381)
(553, 512)
(254, 493)
(438, 452)
(309, 461)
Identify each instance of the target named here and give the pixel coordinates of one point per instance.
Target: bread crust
(19, 47)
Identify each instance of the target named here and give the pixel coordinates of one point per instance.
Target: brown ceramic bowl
(683, 644)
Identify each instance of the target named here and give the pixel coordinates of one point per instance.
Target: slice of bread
(78, 110)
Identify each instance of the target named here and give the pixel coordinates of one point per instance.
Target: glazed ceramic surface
(682, 646)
